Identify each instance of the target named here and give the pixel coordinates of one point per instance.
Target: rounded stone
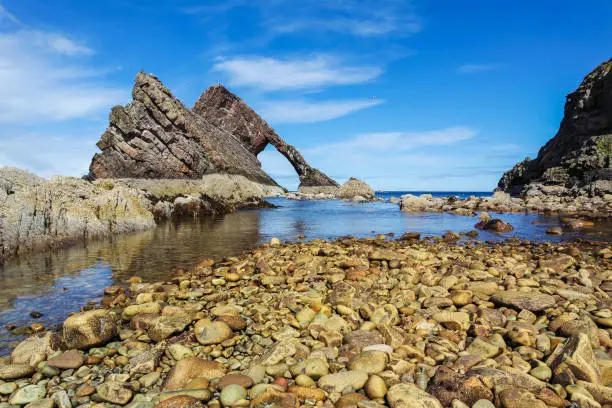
(180, 401)
(370, 362)
(232, 394)
(338, 382)
(115, 392)
(235, 379)
(15, 371)
(316, 368)
(214, 333)
(375, 387)
(483, 403)
(304, 381)
(7, 388)
(27, 394)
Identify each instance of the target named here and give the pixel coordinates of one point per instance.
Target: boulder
(495, 225)
(405, 395)
(354, 188)
(533, 301)
(35, 349)
(189, 369)
(88, 329)
(577, 356)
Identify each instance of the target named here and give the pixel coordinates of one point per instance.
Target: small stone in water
(36, 315)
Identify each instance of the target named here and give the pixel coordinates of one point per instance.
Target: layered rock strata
(157, 137)
(227, 111)
(343, 323)
(577, 161)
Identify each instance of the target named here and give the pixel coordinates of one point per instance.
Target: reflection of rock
(152, 251)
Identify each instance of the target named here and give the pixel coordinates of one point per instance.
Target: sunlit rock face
(577, 161)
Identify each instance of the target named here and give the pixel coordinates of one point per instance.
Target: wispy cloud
(6, 16)
(433, 159)
(48, 153)
(44, 77)
(297, 73)
(477, 68)
(309, 112)
(362, 18)
(398, 141)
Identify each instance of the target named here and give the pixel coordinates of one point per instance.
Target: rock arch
(156, 136)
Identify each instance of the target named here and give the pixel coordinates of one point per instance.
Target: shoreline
(344, 320)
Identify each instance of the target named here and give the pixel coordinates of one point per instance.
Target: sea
(56, 283)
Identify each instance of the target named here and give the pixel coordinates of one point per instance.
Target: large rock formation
(157, 137)
(577, 161)
(227, 111)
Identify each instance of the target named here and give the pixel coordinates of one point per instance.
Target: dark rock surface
(577, 161)
(157, 137)
(227, 111)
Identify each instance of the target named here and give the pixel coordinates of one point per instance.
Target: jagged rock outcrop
(577, 161)
(157, 137)
(227, 111)
(37, 214)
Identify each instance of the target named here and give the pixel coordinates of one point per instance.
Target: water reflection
(57, 283)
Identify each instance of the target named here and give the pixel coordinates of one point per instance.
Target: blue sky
(416, 95)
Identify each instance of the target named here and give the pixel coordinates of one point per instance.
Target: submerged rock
(495, 225)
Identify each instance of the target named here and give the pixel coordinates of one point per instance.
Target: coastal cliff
(577, 161)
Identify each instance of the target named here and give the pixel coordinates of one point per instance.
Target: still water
(59, 282)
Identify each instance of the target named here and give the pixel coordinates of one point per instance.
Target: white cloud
(398, 141)
(43, 79)
(310, 112)
(476, 68)
(387, 160)
(300, 73)
(48, 154)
